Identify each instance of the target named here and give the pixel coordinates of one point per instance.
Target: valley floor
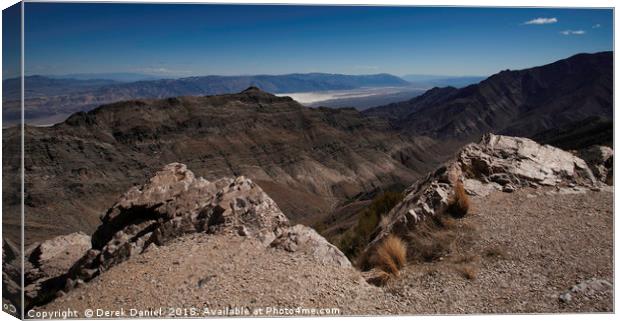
(518, 252)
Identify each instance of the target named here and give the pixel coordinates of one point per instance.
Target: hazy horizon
(182, 40)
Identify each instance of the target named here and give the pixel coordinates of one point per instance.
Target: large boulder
(496, 163)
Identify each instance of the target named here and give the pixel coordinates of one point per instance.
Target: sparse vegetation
(459, 202)
(432, 239)
(355, 239)
(391, 255)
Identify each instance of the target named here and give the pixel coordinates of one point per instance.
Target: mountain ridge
(519, 103)
(307, 159)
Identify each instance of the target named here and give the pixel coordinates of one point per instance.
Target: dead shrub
(391, 255)
(458, 205)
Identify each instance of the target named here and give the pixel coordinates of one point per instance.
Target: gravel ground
(523, 250)
(528, 247)
(216, 272)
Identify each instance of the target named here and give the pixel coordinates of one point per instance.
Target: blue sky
(181, 40)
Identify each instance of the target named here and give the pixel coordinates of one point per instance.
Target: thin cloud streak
(541, 21)
(573, 32)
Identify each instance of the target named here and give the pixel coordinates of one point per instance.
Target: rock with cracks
(496, 163)
(300, 238)
(173, 203)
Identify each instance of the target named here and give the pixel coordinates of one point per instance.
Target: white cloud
(573, 32)
(541, 21)
(596, 26)
(161, 71)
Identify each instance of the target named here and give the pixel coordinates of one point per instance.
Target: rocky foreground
(538, 238)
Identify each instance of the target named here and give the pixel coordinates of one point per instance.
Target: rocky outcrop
(54, 257)
(496, 163)
(46, 264)
(300, 238)
(173, 203)
(601, 161)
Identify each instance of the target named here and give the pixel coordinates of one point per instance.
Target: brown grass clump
(459, 203)
(391, 255)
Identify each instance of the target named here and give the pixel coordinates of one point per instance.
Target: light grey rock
(586, 288)
(48, 262)
(475, 187)
(565, 297)
(300, 238)
(495, 163)
(54, 257)
(173, 203)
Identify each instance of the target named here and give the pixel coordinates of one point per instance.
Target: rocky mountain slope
(49, 97)
(173, 203)
(519, 103)
(496, 163)
(187, 242)
(307, 159)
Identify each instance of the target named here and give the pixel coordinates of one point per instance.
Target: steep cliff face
(307, 159)
(517, 103)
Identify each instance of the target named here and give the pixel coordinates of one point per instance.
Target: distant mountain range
(115, 76)
(50, 97)
(519, 103)
(442, 81)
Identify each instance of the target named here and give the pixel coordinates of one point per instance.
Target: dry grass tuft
(391, 255)
(459, 203)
